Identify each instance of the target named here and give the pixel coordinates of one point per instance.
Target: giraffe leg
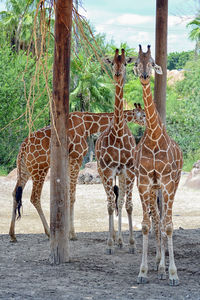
(146, 225)
(108, 185)
(129, 209)
(35, 200)
(120, 206)
(156, 225)
(167, 229)
(74, 171)
(20, 183)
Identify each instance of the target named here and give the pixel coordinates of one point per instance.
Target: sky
(133, 21)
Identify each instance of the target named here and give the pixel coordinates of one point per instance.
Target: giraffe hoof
(162, 276)
(13, 240)
(132, 250)
(156, 267)
(73, 238)
(120, 245)
(109, 251)
(173, 282)
(142, 280)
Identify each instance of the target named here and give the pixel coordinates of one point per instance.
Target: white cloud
(135, 29)
(180, 21)
(130, 19)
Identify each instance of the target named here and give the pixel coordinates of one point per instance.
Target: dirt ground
(25, 271)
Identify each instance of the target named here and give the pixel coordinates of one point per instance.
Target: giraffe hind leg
(17, 204)
(35, 200)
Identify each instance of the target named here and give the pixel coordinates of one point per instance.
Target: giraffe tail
(18, 197)
(116, 192)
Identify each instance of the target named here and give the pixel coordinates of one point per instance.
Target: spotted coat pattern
(158, 167)
(34, 157)
(115, 157)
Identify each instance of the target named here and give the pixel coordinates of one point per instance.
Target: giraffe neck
(118, 112)
(98, 122)
(153, 121)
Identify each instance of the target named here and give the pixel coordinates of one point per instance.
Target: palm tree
(194, 34)
(93, 91)
(17, 21)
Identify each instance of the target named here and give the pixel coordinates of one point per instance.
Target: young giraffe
(34, 158)
(115, 156)
(158, 166)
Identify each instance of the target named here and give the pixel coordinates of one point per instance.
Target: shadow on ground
(25, 271)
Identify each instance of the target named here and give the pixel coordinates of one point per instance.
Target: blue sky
(133, 21)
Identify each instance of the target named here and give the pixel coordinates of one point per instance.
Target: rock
(193, 180)
(173, 76)
(89, 175)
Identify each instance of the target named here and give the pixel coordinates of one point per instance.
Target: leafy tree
(183, 116)
(14, 117)
(177, 60)
(195, 32)
(17, 21)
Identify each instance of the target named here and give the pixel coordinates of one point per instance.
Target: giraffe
(34, 159)
(158, 166)
(115, 157)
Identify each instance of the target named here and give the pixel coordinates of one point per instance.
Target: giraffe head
(144, 65)
(139, 113)
(119, 65)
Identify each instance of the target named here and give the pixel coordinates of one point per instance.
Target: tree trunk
(59, 180)
(161, 57)
(161, 60)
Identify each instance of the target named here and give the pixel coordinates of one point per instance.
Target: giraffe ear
(130, 60)
(158, 69)
(107, 60)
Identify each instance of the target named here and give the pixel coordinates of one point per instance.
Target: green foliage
(91, 88)
(194, 34)
(177, 60)
(183, 116)
(13, 101)
(3, 171)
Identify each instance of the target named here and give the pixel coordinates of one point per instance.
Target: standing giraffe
(115, 157)
(158, 166)
(34, 158)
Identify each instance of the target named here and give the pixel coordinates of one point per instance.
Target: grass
(190, 160)
(3, 171)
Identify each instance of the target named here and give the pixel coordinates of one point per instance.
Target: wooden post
(161, 60)
(161, 57)
(59, 180)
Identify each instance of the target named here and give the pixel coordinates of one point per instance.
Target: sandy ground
(25, 272)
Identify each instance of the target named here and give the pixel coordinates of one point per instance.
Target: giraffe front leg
(173, 276)
(129, 210)
(167, 227)
(156, 225)
(146, 225)
(120, 204)
(74, 171)
(161, 266)
(108, 185)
